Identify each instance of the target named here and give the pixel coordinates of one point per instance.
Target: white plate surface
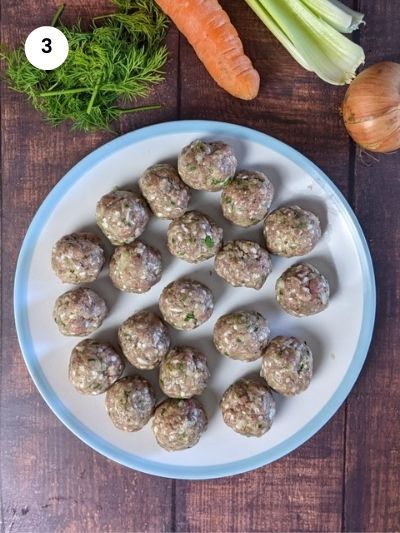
(339, 337)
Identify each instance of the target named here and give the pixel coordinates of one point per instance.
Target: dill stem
(134, 109)
(93, 97)
(53, 86)
(66, 91)
(78, 90)
(99, 17)
(120, 30)
(57, 15)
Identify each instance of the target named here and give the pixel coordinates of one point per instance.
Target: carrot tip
(216, 42)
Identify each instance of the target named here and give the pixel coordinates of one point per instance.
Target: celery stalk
(338, 15)
(320, 47)
(265, 17)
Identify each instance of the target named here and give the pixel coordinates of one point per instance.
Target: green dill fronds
(114, 63)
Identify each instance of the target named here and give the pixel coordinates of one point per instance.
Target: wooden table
(347, 477)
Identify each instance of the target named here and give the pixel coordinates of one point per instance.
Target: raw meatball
(186, 304)
(130, 403)
(194, 237)
(166, 194)
(135, 267)
(248, 407)
(94, 366)
(78, 257)
(302, 290)
(243, 264)
(184, 372)
(178, 424)
(79, 312)
(242, 335)
(247, 198)
(287, 365)
(122, 216)
(291, 231)
(207, 166)
(144, 340)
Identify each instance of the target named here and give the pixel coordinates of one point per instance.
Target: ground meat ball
(194, 237)
(184, 372)
(130, 403)
(122, 216)
(178, 424)
(94, 366)
(243, 264)
(135, 267)
(247, 198)
(207, 166)
(291, 231)
(248, 407)
(144, 340)
(186, 304)
(164, 191)
(79, 312)
(78, 258)
(242, 335)
(287, 365)
(302, 290)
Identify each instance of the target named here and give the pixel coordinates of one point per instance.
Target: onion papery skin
(371, 108)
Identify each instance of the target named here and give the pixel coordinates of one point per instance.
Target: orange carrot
(216, 42)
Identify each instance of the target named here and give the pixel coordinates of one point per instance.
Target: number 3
(47, 45)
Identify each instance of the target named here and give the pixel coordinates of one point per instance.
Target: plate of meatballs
(194, 299)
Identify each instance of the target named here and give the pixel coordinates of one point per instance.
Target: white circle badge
(46, 48)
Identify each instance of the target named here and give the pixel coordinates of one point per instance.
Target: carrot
(216, 42)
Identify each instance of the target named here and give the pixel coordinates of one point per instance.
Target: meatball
(78, 257)
(291, 231)
(243, 264)
(186, 304)
(79, 312)
(135, 267)
(94, 366)
(144, 340)
(122, 216)
(242, 335)
(247, 198)
(166, 194)
(184, 372)
(302, 290)
(207, 166)
(130, 403)
(287, 365)
(178, 424)
(194, 237)
(248, 407)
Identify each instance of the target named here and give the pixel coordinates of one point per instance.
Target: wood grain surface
(347, 477)
(373, 409)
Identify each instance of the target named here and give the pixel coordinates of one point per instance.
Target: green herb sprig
(209, 242)
(116, 61)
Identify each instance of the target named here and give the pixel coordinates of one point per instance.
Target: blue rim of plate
(100, 444)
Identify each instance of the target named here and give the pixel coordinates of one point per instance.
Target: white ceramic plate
(339, 337)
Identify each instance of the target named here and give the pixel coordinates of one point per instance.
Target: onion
(371, 108)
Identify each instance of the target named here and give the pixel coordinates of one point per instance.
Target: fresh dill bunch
(117, 61)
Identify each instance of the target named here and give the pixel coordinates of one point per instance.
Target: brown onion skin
(371, 108)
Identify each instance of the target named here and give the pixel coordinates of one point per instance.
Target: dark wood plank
(284, 496)
(297, 108)
(372, 499)
(50, 480)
